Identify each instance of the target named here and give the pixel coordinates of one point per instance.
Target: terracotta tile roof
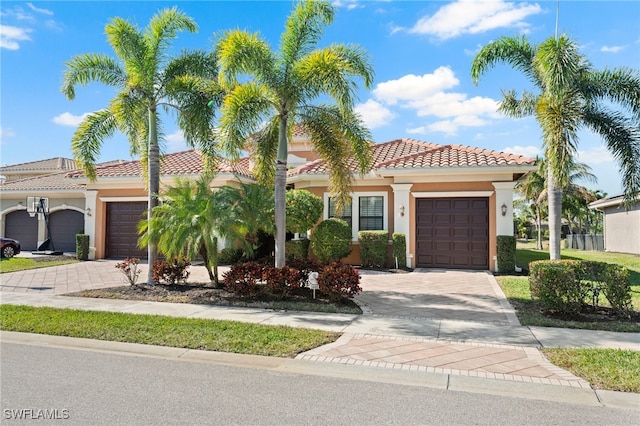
(48, 165)
(412, 154)
(180, 163)
(50, 182)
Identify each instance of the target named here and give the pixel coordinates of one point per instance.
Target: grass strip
(609, 369)
(516, 289)
(16, 264)
(191, 333)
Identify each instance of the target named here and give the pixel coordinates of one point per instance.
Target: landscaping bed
(300, 299)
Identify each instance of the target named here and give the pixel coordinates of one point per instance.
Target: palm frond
(514, 51)
(303, 29)
(240, 52)
(91, 67)
(89, 137)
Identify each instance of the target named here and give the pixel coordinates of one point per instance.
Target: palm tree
(572, 95)
(533, 187)
(270, 92)
(146, 78)
(245, 212)
(187, 223)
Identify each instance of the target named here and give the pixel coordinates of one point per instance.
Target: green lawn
(516, 288)
(611, 369)
(210, 335)
(22, 263)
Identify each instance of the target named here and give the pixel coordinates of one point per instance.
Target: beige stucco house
(451, 201)
(621, 225)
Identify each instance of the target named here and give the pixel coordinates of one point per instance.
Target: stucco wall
(622, 229)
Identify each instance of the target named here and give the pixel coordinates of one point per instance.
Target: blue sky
(421, 52)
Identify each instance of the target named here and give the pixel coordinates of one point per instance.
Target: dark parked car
(9, 247)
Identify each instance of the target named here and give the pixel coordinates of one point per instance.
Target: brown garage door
(64, 225)
(22, 227)
(122, 229)
(452, 233)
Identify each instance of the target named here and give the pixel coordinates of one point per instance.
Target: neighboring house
(451, 201)
(37, 168)
(621, 225)
(118, 198)
(66, 202)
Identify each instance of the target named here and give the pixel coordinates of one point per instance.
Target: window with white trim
(344, 215)
(368, 211)
(371, 213)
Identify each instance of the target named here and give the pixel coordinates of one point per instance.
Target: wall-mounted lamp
(401, 208)
(504, 209)
(88, 211)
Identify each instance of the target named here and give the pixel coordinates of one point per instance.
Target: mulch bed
(206, 295)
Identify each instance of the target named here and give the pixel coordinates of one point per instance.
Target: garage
(64, 225)
(22, 227)
(122, 229)
(452, 233)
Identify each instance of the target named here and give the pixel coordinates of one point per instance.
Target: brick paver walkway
(492, 361)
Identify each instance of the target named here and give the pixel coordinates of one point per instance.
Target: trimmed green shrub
(556, 285)
(331, 240)
(303, 209)
(610, 280)
(338, 280)
(229, 256)
(400, 249)
(297, 249)
(82, 246)
(373, 248)
(506, 253)
(567, 285)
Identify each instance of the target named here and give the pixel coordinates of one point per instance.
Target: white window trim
(355, 210)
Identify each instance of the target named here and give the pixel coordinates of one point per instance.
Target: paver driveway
(436, 293)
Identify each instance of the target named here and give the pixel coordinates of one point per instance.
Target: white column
(90, 210)
(401, 212)
(504, 197)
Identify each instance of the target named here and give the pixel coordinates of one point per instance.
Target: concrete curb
(447, 382)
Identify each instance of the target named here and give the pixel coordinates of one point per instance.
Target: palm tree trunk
(555, 215)
(280, 188)
(538, 228)
(154, 187)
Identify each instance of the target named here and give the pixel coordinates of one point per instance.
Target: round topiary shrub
(331, 240)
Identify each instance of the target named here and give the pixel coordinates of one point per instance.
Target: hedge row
(567, 285)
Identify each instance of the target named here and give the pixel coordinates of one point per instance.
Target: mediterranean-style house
(621, 224)
(451, 201)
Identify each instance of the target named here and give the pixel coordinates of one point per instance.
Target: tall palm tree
(188, 223)
(571, 95)
(270, 92)
(146, 78)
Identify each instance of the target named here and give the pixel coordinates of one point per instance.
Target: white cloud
(68, 119)
(455, 104)
(527, 151)
(612, 49)
(39, 10)
(374, 114)
(415, 87)
(347, 4)
(473, 17)
(176, 141)
(450, 127)
(417, 130)
(10, 36)
(6, 133)
(596, 155)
